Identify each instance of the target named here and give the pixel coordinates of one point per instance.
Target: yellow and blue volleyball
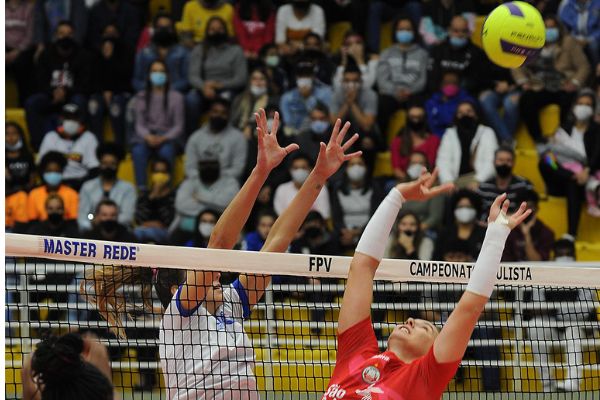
(513, 34)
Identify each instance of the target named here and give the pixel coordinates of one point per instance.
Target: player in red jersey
(419, 361)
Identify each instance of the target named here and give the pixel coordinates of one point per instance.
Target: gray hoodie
(229, 146)
(225, 64)
(402, 69)
(193, 196)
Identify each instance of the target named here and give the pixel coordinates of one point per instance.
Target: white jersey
(205, 356)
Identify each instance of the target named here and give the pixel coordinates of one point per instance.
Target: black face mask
(109, 226)
(217, 38)
(302, 6)
(416, 125)
(55, 218)
(467, 123)
(65, 44)
(217, 124)
(409, 233)
(209, 173)
(503, 170)
(314, 54)
(108, 173)
(164, 37)
(313, 232)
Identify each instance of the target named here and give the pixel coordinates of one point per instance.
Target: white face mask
(356, 172)
(464, 215)
(304, 83)
(257, 90)
(299, 175)
(583, 112)
(206, 228)
(414, 171)
(564, 259)
(71, 127)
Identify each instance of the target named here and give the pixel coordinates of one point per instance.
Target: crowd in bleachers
(188, 81)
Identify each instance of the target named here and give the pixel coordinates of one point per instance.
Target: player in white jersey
(204, 351)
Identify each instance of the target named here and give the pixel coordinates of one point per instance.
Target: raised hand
(333, 154)
(270, 154)
(500, 207)
(421, 189)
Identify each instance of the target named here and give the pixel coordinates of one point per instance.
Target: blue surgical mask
(319, 126)
(53, 179)
(404, 36)
(158, 78)
(458, 41)
(552, 35)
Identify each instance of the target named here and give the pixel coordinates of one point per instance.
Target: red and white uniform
(363, 373)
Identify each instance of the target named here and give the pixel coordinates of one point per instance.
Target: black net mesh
(530, 339)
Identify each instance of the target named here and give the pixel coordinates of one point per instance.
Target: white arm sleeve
(483, 277)
(375, 236)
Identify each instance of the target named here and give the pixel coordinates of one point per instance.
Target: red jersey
(362, 373)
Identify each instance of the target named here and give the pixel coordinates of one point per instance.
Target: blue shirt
(441, 112)
(295, 108)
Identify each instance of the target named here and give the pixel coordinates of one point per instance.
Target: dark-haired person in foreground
(419, 361)
(69, 367)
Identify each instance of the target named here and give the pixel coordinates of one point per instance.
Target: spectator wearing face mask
(254, 23)
(414, 137)
(208, 188)
(358, 104)
(255, 240)
(220, 139)
(201, 235)
(552, 78)
(106, 226)
(533, 241)
(296, 103)
(430, 212)
(217, 68)
(401, 72)
(300, 168)
(408, 241)
(120, 13)
(197, 15)
(77, 143)
(353, 50)
(314, 131)
(387, 10)
(354, 199)
(247, 103)
(465, 207)
(55, 224)
(572, 157)
(159, 122)
(438, 14)
(18, 160)
(313, 50)
(113, 68)
(52, 166)
(441, 106)
(459, 54)
(582, 19)
(274, 66)
(466, 152)
(504, 182)
(155, 208)
(107, 186)
(294, 21)
(64, 75)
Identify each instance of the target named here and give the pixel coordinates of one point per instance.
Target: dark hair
(161, 14)
(206, 45)
(64, 22)
(262, 53)
(352, 67)
(564, 244)
(53, 157)
(320, 106)
(264, 8)
(314, 216)
(422, 154)
(528, 196)
(106, 202)
(222, 101)
(312, 35)
(61, 372)
(404, 17)
(505, 149)
(299, 155)
(21, 133)
(266, 213)
(472, 196)
(398, 251)
(406, 144)
(344, 184)
(112, 149)
(164, 279)
(149, 92)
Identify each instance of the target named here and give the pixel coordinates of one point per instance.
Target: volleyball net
(539, 332)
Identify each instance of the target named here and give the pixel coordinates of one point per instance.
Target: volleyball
(513, 34)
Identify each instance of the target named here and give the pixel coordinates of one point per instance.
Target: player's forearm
(288, 223)
(229, 226)
(375, 236)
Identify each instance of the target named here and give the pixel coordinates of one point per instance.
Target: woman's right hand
(500, 209)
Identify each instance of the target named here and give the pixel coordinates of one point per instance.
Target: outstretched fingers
(335, 131)
(498, 201)
(291, 148)
(435, 191)
(342, 134)
(352, 155)
(275, 127)
(350, 142)
(521, 214)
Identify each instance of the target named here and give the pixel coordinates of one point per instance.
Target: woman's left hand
(270, 154)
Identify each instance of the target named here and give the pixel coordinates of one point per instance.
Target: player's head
(412, 339)
(61, 373)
